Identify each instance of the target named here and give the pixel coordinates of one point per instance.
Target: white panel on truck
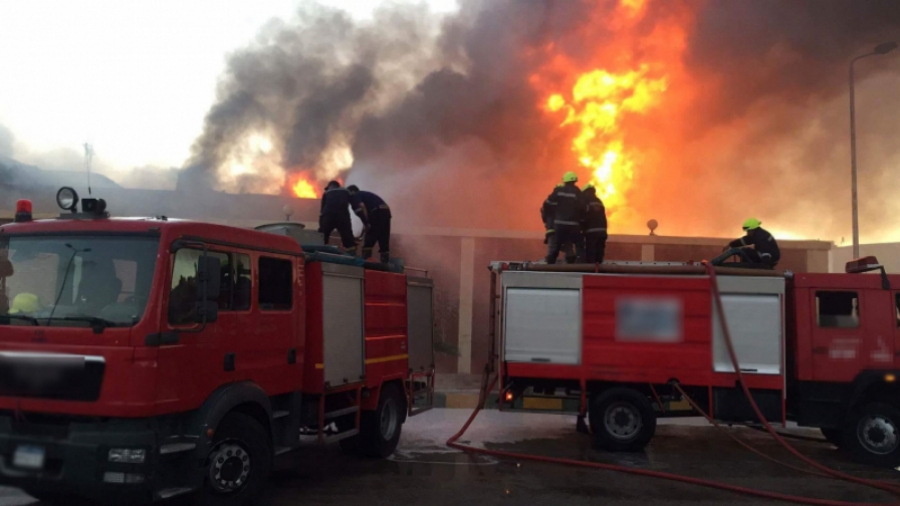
(755, 315)
(420, 323)
(343, 307)
(542, 318)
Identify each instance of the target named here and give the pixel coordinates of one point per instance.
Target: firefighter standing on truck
(548, 214)
(764, 247)
(593, 225)
(335, 215)
(566, 220)
(376, 217)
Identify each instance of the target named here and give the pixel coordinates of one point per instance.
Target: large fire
(302, 188)
(631, 76)
(596, 104)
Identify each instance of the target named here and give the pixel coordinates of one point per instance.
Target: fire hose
(488, 383)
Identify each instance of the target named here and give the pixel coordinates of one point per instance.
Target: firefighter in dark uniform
(548, 214)
(758, 244)
(566, 220)
(593, 225)
(376, 217)
(335, 215)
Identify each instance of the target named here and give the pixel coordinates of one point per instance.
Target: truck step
(343, 435)
(172, 492)
(281, 450)
(176, 448)
(280, 414)
(341, 412)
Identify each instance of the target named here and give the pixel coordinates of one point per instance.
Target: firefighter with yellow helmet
(566, 201)
(757, 245)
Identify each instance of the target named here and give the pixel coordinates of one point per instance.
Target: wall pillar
(648, 253)
(466, 294)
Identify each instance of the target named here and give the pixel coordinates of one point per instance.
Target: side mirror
(6, 268)
(209, 287)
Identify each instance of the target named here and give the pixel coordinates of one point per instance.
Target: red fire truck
(612, 341)
(142, 359)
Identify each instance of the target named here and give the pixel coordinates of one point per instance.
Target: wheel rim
(229, 467)
(389, 419)
(622, 420)
(878, 434)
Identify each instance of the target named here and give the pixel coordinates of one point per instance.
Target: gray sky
(134, 78)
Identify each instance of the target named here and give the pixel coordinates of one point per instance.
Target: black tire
(622, 420)
(380, 429)
(239, 464)
(833, 436)
(872, 435)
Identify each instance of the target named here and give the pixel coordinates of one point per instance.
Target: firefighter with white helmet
(757, 245)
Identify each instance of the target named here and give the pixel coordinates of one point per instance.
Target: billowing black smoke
(441, 119)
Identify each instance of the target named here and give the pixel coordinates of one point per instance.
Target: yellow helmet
(589, 186)
(570, 177)
(751, 224)
(559, 185)
(25, 303)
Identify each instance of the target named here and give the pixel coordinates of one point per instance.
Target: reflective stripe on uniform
(742, 242)
(569, 195)
(559, 222)
(595, 230)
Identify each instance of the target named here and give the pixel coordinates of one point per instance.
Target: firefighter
(566, 220)
(376, 217)
(548, 214)
(764, 247)
(335, 215)
(593, 225)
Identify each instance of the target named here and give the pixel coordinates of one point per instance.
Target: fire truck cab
(142, 359)
(611, 341)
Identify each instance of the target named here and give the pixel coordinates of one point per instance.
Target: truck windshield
(75, 281)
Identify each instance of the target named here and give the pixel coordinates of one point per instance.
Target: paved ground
(423, 471)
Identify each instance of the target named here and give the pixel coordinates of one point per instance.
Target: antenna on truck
(88, 156)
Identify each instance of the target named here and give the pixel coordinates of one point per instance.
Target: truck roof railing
(670, 268)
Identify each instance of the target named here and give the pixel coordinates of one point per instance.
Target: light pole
(882, 48)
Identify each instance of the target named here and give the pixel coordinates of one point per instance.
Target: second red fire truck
(612, 341)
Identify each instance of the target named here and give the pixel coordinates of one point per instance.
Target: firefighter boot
(366, 253)
(385, 257)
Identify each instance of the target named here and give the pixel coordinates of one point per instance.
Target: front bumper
(76, 460)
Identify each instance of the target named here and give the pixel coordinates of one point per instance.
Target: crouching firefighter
(376, 217)
(567, 220)
(757, 246)
(335, 215)
(593, 225)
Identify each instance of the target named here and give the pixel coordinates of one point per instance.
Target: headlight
(127, 455)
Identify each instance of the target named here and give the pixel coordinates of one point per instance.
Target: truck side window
(183, 297)
(242, 282)
(276, 281)
(837, 309)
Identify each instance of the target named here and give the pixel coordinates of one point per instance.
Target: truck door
(846, 337)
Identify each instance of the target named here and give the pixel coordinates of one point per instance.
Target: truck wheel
(239, 463)
(872, 435)
(380, 429)
(833, 436)
(622, 420)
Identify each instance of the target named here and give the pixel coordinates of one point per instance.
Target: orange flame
(303, 189)
(598, 101)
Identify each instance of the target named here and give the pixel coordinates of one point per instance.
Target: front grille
(56, 377)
